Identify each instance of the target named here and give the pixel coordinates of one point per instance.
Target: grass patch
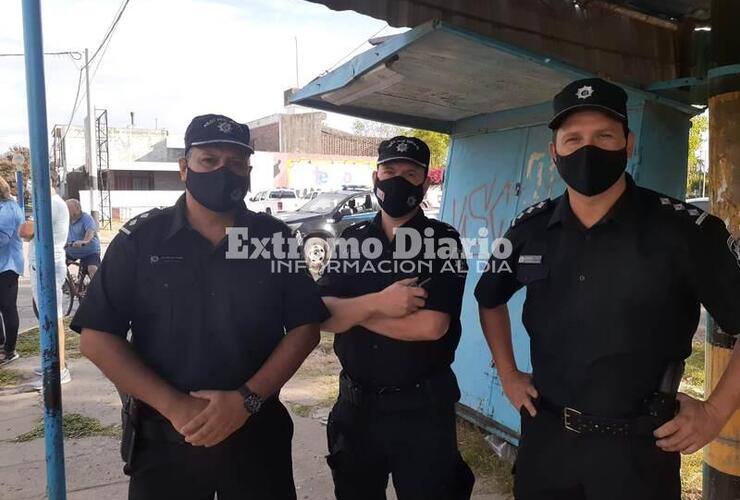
(486, 465)
(9, 378)
(326, 345)
(693, 385)
(693, 379)
(331, 398)
(28, 342)
(75, 426)
(691, 476)
(304, 411)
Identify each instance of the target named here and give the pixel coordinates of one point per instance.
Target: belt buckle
(567, 414)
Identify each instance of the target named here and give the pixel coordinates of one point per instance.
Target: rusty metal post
(722, 456)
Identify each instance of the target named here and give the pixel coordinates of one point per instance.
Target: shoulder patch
(683, 209)
(531, 211)
(136, 222)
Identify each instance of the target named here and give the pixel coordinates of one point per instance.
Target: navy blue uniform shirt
(198, 319)
(607, 308)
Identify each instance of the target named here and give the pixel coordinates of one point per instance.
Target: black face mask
(397, 196)
(591, 170)
(220, 190)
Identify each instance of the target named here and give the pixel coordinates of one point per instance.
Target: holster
(662, 405)
(129, 423)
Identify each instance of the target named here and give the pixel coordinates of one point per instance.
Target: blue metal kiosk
(494, 100)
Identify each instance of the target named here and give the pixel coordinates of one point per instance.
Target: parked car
(324, 218)
(275, 201)
(700, 203)
(432, 202)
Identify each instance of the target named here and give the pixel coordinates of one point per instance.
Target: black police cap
(216, 129)
(590, 93)
(404, 148)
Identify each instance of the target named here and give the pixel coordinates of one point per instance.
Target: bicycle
(74, 287)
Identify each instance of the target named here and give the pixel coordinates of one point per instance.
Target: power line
(104, 47)
(112, 27)
(75, 105)
(73, 54)
(385, 25)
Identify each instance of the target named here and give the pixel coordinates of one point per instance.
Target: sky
(170, 60)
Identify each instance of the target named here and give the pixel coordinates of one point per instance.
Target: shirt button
(581, 278)
(588, 237)
(213, 294)
(375, 346)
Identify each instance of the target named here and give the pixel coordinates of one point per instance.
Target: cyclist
(82, 240)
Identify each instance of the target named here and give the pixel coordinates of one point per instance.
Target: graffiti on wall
(540, 176)
(477, 208)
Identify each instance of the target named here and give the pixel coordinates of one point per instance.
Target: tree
(7, 169)
(369, 128)
(438, 144)
(696, 166)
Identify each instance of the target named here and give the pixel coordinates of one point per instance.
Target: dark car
(325, 217)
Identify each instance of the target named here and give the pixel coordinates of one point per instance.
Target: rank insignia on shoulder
(530, 211)
(135, 222)
(676, 206)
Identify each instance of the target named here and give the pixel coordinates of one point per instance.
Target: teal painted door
(480, 201)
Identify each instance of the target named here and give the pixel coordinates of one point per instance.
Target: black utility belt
(438, 389)
(581, 423)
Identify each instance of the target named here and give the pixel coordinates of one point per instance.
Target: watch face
(252, 403)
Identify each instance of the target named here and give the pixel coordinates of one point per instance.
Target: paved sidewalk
(93, 466)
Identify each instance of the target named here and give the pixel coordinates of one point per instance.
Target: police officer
(395, 308)
(615, 275)
(214, 335)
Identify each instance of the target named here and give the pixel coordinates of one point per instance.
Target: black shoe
(8, 357)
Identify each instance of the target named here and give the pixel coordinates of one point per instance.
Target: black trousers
(254, 463)
(417, 448)
(556, 464)
(9, 308)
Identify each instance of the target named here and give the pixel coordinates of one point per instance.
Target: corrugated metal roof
(437, 75)
(698, 9)
(393, 11)
(605, 38)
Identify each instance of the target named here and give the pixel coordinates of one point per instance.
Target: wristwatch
(252, 402)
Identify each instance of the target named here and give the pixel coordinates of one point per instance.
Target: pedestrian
(396, 316)
(213, 337)
(615, 275)
(82, 242)
(59, 227)
(11, 267)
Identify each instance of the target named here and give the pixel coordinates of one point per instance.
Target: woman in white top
(60, 229)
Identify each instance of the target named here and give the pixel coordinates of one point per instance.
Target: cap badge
(224, 126)
(402, 147)
(585, 92)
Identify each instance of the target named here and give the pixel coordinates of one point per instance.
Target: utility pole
(92, 170)
(297, 84)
